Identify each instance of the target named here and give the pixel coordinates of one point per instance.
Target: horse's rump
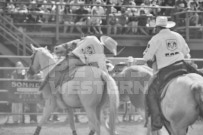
(182, 100)
(85, 81)
(132, 82)
(198, 97)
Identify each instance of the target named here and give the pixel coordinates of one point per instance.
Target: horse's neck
(47, 66)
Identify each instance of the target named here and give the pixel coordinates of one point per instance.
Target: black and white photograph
(101, 67)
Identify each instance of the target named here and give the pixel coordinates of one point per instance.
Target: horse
(90, 88)
(132, 82)
(182, 103)
(129, 86)
(132, 86)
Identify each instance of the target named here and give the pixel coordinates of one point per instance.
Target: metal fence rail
(15, 56)
(110, 58)
(79, 113)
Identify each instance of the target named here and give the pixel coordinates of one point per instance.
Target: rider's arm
(186, 51)
(150, 55)
(150, 51)
(185, 48)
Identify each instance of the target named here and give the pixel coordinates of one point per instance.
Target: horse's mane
(46, 52)
(142, 68)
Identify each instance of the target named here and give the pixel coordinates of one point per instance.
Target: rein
(32, 58)
(46, 67)
(69, 48)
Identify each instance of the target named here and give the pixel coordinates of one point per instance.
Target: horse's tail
(198, 95)
(112, 91)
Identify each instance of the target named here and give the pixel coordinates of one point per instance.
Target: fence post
(57, 23)
(107, 17)
(187, 26)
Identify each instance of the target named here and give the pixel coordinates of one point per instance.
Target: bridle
(66, 48)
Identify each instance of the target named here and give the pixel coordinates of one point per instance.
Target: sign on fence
(24, 91)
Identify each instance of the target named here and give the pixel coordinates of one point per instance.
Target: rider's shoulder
(91, 37)
(156, 37)
(176, 33)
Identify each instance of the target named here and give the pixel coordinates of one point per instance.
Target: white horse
(90, 88)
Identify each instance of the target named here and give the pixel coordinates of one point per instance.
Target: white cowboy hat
(110, 44)
(163, 22)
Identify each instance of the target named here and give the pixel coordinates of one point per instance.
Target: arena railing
(6, 94)
(186, 25)
(56, 25)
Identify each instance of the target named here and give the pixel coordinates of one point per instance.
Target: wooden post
(57, 23)
(187, 26)
(107, 16)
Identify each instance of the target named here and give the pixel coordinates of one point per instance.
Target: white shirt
(91, 50)
(167, 47)
(100, 11)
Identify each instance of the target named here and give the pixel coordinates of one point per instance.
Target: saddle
(167, 74)
(177, 69)
(64, 71)
(68, 74)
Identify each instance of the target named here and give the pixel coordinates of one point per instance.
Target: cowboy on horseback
(167, 51)
(91, 51)
(86, 52)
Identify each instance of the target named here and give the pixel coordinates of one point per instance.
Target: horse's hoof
(91, 132)
(74, 132)
(116, 133)
(37, 131)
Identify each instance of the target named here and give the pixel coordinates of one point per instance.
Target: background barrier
(27, 91)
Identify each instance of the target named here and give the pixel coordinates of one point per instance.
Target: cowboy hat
(162, 21)
(110, 44)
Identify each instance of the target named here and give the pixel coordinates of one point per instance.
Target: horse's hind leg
(71, 121)
(50, 105)
(94, 122)
(179, 130)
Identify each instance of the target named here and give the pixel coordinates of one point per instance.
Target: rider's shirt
(91, 50)
(166, 47)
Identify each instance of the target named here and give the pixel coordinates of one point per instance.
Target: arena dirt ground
(62, 128)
